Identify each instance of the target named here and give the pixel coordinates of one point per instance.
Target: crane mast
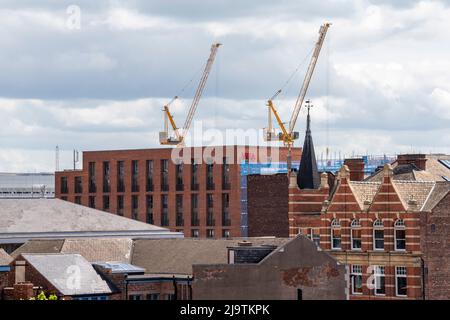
(168, 118)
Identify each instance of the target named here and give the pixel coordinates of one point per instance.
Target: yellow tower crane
(178, 139)
(288, 135)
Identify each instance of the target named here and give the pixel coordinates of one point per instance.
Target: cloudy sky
(382, 83)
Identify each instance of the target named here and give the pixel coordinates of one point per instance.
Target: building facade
(192, 190)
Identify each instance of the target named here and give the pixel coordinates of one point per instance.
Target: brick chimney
(419, 160)
(356, 167)
(23, 291)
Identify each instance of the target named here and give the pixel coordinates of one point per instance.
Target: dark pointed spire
(308, 177)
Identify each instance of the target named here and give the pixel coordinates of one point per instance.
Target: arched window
(335, 234)
(400, 235)
(378, 235)
(355, 234)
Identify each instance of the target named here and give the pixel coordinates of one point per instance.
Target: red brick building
(193, 190)
(391, 229)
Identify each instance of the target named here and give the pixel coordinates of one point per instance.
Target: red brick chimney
(356, 167)
(419, 160)
(23, 291)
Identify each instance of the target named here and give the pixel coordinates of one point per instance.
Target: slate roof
(59, 269)
(23, 219)
(5, 259)
(440, 190)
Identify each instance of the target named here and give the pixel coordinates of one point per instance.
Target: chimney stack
(419, 160)
(356, 167)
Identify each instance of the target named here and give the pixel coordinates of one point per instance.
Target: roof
(308, 176)
(120, 267)
(440, 190)
(5, 259)
(23, 219)
(60, 269)
(92, 249)
(176, 256)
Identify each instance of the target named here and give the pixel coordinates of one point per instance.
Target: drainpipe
(423, 278)
(175, 288)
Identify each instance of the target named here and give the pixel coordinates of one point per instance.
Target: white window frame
(312, 236)
(379, 271)
(355, 225)
(377, 225)
(354, 273)
(402, 274)
(335, 224)
(399, 225)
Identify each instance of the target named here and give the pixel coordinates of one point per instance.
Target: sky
(381, 84)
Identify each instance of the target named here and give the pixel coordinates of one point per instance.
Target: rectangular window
(135, 297)
(378, 239)
(105, 203)
(120, 205)
(149, 175)
(210, 176)
(149, 209)
(210, 210)
(380, 281)
(336, 238)
(179, 210)
(134, 176)
(401, 283)
(225, 174)
(134, 206)
(164, 175)
(120, 176)
(210, 233)
(77, 199)
(92, 182)
(356, 279)
(64, 185)
(164, 210)
(78, 185)
(356, 238)
(400, 239)
(194, 233)
(315, 236)
(225, 233)
(92, 202)
(194, 210)
(194, 175)
(153, 296)
(106, 177)
(179, 177)
(226, 209)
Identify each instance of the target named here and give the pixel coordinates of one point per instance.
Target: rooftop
(5, 259)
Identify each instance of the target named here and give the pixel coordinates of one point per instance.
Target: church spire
(308, 176)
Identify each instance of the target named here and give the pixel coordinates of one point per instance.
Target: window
(378, 235)
(164, 210)
(355, 234)
(120, 205)
(149, 209)
(149, 175)
(210, 176)
(134, 206)
(134, 176)
(194, 233)
(78, 185)
(380, 281)
(400, 235)
(120, 176)
(153, 296)
(226, 209)
(210, 210)
(164, 175)
(92, 182)
(135, 297)
(356, 279)
(179, 210)
(194, 175)
(194, 210)
(64, 187)
(335, 234)
(401, 283)
(105, 203)
(106, 177)
(92, 202)
(77, 199)
(179, 177)
(210, 233)
(225, 174)
(315, 236)
(225, 233)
